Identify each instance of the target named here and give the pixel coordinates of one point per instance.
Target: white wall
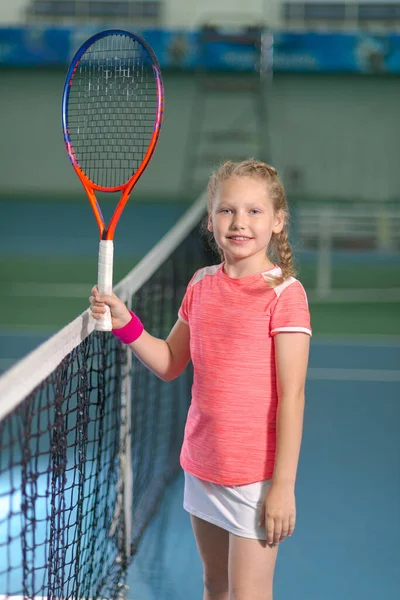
(340, 133)
(179, 13)
(12, 11)
(191, 13)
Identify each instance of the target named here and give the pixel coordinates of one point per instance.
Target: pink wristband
(131, 331)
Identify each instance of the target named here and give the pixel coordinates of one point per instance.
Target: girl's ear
(209, 224)
(279, 222)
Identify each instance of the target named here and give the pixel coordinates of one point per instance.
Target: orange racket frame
(106, 249)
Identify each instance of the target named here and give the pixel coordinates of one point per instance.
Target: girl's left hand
(278, 512)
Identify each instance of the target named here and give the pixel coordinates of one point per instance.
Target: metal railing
(110, 10)
(336, 14)
(356, 228)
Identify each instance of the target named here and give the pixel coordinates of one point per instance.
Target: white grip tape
(104, 280)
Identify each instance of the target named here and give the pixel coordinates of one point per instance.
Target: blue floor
(347, 540)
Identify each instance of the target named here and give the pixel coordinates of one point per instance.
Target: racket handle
(104, 280)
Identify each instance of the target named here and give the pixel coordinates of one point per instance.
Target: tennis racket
(112, 110)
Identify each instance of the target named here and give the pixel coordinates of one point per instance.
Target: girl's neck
(245, 268)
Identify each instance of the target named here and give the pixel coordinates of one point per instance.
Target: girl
(245, 325)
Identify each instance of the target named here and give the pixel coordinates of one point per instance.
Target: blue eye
(255, 211)
(225, 210)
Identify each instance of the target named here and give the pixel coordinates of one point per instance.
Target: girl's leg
(251, 569)
(213, 545)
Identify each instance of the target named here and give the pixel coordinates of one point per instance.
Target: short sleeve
(183, 312)
(291, 313)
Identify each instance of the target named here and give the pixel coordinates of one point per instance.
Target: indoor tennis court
(91, 490)
(350, 433)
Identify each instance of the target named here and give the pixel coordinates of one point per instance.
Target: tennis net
(89, 438)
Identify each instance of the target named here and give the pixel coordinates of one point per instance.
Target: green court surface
(355, 275)
(355, 319)
(46, 293)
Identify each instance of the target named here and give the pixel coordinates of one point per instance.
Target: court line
(337, 296)
(43, 290)
(80, 290)
(372, 340)
(313, 374)
(34, 331)
(8, 597)
(30, 329)
(357, 339)
(367, 375)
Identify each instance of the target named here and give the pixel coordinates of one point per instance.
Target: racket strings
(112, 109)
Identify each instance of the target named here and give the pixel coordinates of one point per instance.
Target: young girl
(245, 325)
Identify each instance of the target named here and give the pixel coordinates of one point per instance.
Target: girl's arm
(166, 358)
(278, 511)
(291, 358)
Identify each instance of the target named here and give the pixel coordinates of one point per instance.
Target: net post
(127, 463)
(324, 261)
(123, 509)
(126, 420)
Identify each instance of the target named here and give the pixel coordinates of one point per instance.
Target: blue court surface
(347, 540)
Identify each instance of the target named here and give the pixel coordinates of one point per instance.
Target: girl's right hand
(120, 315)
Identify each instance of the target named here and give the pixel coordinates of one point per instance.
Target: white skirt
(235, 508)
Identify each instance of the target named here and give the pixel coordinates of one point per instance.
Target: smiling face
(242, 219)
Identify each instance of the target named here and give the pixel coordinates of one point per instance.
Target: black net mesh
(59, 473)
(112, 109)
(62, 521)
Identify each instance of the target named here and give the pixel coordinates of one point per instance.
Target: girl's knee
(216, 584)
(255, 593)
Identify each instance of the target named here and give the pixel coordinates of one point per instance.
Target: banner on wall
(356, 52)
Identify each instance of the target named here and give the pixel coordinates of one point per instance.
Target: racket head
(112, 110)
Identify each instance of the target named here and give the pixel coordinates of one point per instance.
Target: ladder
(229, 119)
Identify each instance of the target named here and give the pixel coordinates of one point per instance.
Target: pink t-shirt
(230, 433)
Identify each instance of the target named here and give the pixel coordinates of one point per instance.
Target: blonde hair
(279, 248)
